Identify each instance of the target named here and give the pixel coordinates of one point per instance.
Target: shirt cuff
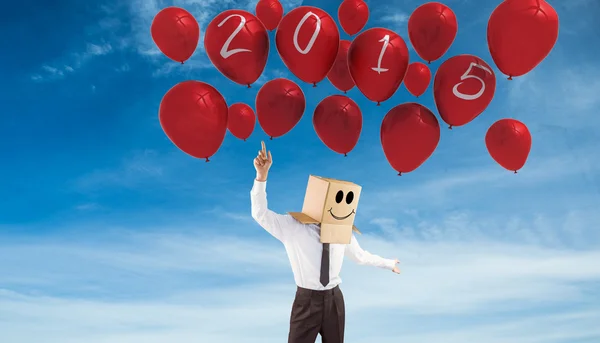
(259, 186)
(390, 264)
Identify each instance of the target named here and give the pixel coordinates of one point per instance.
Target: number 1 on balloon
(386, 42)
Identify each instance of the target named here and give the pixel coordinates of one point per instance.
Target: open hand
(396, 269)
(263, 162)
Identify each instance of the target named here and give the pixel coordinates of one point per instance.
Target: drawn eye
(349, 197)
(339, 197)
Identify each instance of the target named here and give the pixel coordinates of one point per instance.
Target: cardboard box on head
(332, 204)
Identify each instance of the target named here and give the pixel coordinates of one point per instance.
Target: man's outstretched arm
(360, 256)
(276, 224)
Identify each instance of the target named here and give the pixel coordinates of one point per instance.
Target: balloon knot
(244, 139)
(399, 173)
(510, 78)
(428, 62)
(345, 155)
(515, 172)
(181, 62)
(314, 84)
(450, 127)
(271, 138)
(249, 86)
(378, 103)
(345, 92)
(207, 160)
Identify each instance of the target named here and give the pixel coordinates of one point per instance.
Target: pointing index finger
(264, 148)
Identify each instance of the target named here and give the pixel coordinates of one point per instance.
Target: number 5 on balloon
(467, 76)
(225, 52)
(386, 42)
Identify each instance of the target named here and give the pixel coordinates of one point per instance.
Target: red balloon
(417, 78)
(308, 40)
(193, 115)
(241, 120)
(175, 31)
(509, 142)
(280, 105)
(270, 13)
(521, 34)
(353, 16)
(378, 60)
(463, 87)
(338, 122)
(409, 135)
(432, 28)
(339, 75)
(237, 43)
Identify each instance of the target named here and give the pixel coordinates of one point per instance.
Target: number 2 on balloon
(467, 76)
(225, 52)
(386, 42)
(312, 40)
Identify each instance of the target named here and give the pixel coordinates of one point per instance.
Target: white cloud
(188, 69)
(558, 92)
(480, 180)
(396, 18)
(87, 207)
(123, 68)
(136, 36)
(133, 170)
(97, 50)
(131, 287)
(143, 12)
(59, 70)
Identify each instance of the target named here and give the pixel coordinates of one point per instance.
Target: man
(319, 304)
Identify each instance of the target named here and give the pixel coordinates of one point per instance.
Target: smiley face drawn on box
(332, 204)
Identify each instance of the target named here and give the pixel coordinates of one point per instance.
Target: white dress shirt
(303, 245)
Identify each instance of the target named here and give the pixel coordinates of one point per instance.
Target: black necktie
(325, 265)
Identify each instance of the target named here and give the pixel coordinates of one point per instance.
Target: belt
(318, 292)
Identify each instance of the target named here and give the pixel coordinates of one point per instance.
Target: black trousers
(317, 312)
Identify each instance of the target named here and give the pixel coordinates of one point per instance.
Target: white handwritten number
(312, 40)
(386, 42)
(466, 76)
(225, 52)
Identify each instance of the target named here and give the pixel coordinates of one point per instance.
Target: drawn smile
(339, 218)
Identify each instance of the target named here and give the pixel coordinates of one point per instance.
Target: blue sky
(109, 233)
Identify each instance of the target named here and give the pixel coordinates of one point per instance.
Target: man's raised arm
(276, 224)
